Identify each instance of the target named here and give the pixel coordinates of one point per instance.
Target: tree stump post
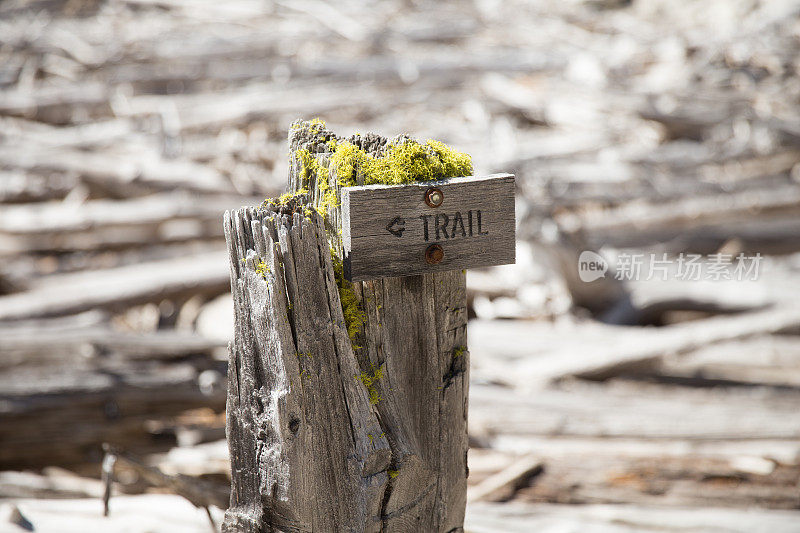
(340, 417)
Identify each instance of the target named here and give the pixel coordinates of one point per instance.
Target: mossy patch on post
(308, 165)
(263, 269)
(289, 203)
(354, 315)
(397, 161)
(403, 161)
(325, 163)
(369, 380)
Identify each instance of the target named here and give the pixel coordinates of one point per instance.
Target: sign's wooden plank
(395, 230)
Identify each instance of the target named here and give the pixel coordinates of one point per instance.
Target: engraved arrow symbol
(396, 227)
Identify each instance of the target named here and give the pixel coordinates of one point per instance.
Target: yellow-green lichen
(286, 197)
(392, 473)
(373, 437)
(304, 373)
(262, 268)
(308, 166)
(369, 381)
(315, 125)
(402, 161)
(459, 351)
(289, 199)
(354, 315)
(405, 162)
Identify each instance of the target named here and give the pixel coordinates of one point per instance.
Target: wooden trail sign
(347, 402)
(419, 228)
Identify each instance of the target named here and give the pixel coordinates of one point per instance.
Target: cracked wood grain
(415, 329)
(300, 426)
(311, 448)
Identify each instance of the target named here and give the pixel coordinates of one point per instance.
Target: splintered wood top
(390, 230)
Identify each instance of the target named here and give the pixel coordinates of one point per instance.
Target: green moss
(287, 203)
(354, 315)
(369, 380)
(285, 198)
(308, 166)
(263, 269)
(405, 162)
(315, 125)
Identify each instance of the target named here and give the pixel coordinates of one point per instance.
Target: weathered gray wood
(82, 405)
(766, 217)
(415, 328)
(683, 480)
(35, 347)
(118, 287)
(503, 483)
(312, 447)
(104, 224)
(637, 411)
(533, 355)
(772, 360)
(386, 229)
(201, 492)
(524, 518)
(305, 445)
(55, 483)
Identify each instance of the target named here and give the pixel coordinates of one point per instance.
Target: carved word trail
(443, 226)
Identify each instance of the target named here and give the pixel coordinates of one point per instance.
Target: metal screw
(434, 254)
(434, 197)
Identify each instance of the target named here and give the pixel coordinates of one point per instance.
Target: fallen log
(501, 485)
(533, 355)
(133, 173)
(201, 492)
(107, 224)
(636, 410)
(30, 347)
(119, 287)
(61, 417)
(522, 518)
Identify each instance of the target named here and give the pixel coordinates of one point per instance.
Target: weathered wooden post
(347, 401)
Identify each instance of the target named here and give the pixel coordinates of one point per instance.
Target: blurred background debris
(635, 128)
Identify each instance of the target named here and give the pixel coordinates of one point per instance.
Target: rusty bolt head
(434, 197)
(434, 254)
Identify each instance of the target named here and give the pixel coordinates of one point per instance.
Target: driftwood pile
(127, 127)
